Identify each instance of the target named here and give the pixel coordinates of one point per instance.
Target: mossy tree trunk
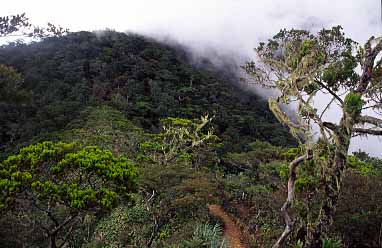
(337, 166)
(303, 66)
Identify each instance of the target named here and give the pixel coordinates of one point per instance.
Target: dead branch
(327, 107)
(330, 91)
(368, 65)
(377, 132)
(331, 126)
(289, 222)
(370, 120)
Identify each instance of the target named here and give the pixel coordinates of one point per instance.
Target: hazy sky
(233, 24)
(230, 26)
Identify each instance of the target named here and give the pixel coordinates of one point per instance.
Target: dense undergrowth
(143, 101)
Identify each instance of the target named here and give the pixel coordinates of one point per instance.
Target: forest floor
(231, 231)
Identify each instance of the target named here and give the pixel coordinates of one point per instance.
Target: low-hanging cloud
(226, 27)
(235, 25)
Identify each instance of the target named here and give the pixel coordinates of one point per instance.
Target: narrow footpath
(231, 231)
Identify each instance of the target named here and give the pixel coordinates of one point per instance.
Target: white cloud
(235, 24)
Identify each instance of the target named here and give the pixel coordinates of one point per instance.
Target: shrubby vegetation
(116, 140)
(59, 186)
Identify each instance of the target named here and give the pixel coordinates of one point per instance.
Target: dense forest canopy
(146, 80)
(116, 140)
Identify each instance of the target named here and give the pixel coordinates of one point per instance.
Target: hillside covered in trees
(117, 140)
(143, 79)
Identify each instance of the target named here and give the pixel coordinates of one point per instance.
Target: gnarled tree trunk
(289, 221)
(333, 180)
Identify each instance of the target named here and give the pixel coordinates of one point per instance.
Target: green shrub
(208, 236)
(331, 243)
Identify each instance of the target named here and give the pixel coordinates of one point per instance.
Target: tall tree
(179, 138)
(303, 67)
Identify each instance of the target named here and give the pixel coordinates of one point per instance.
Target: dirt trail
(231, 231)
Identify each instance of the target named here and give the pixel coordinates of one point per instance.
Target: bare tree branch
(289, 222)
(331, 126)
(370, 120)
(368, 65)
(368, 131)
(327, 107)
(330, 91)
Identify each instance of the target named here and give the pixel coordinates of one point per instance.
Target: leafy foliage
(64, 181)
(113, 95)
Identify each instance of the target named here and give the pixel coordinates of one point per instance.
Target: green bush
(206, 235)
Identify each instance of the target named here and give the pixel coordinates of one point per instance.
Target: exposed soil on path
(231, 231)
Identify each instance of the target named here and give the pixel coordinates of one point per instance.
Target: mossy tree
(302, 67)
(57, 184)
(178, 139)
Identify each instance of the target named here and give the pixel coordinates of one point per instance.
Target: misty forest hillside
(143, 79)
(140, 103)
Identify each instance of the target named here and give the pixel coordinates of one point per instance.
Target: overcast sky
(234, 24)
(231, 26)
